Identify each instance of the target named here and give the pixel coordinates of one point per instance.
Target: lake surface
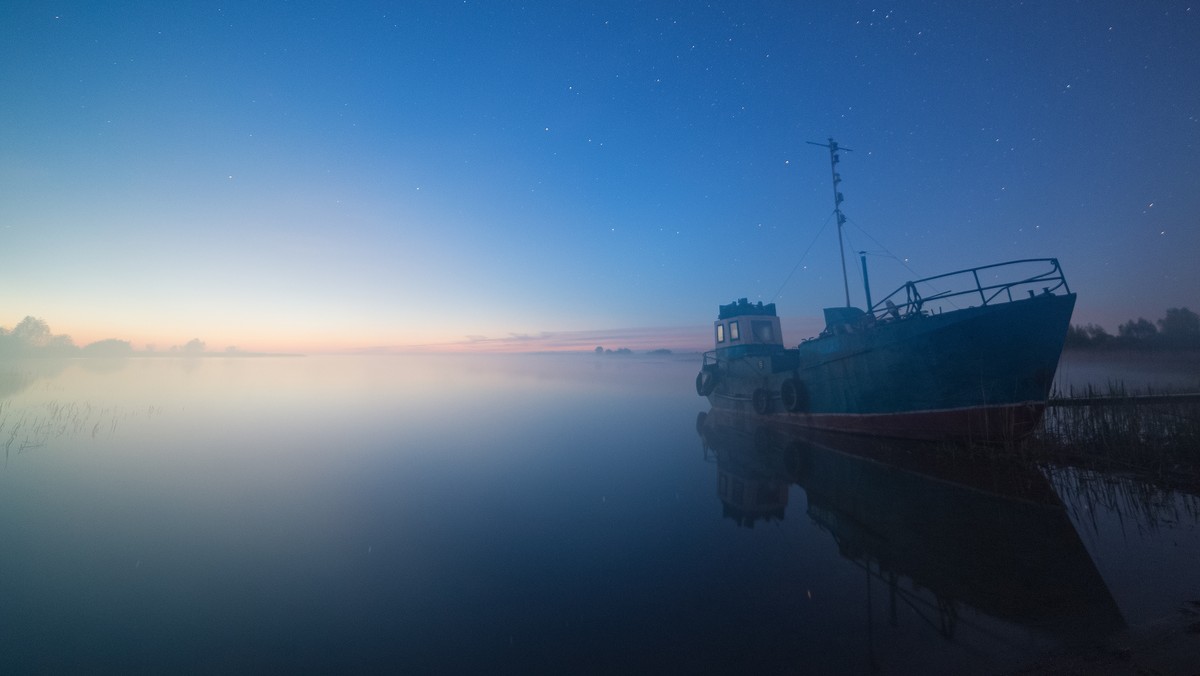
(530, 514)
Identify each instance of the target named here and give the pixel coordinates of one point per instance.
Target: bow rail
(968, 286)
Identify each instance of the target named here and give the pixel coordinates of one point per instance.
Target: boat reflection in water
(944, 533)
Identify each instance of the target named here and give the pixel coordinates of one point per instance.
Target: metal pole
(866, 280)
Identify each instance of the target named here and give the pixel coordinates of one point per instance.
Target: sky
(374, 176)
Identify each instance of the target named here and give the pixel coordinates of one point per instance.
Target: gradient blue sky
(303, 175)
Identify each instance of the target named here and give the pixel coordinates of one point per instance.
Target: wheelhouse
(743, 324)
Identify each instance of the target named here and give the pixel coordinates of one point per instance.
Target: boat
(968, 355)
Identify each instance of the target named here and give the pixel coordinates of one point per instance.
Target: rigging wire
(802, 257)
(888, 253)
(899, 260)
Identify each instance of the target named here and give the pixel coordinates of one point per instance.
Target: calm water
(543, 514)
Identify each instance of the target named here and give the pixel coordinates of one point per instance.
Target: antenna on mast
(837, 205)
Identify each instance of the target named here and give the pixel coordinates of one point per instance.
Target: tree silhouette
(1180, 328)
(1137, 331)
(32, 332)
(194, 346)
(32, 336)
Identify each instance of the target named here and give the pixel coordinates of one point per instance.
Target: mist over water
(519, 514)
(1133, 371)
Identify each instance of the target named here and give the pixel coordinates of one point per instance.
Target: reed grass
(1152, 435)
(36, 425)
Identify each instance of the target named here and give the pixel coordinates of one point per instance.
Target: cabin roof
(743, 307)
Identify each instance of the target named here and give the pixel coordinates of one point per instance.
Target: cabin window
(720, 333)
(733, 330)
(764, 332)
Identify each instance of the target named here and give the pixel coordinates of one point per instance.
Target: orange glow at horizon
(314, 340)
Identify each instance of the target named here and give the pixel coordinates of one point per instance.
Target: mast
(837, 206)
(862, 255)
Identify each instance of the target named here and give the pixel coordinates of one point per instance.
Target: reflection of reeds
(1146, 506)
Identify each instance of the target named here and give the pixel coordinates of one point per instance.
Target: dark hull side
(981, 374)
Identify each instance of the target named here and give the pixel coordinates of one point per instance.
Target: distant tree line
(624, 350)
(619, 350)
(32, 337)
(1179, 330)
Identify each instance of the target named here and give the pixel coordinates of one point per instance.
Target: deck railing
(971, 290)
